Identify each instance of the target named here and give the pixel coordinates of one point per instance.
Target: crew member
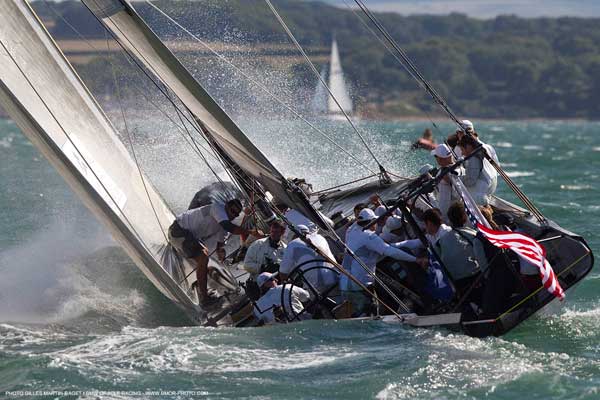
(265, 255)
(426, 142)
(480, 177)
(269, 305)
(299, 254)
(460, 250)
(200, 232)
(444, 193)
(370, 249)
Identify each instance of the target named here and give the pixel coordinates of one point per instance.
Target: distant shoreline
(481, 119)
(3, 116)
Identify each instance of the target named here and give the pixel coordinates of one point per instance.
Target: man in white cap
(299, 254)
(444, 193)
(465, 125)
(370, 249)
(270, 302)
(480, 178)
(393, 231)
(296, 218)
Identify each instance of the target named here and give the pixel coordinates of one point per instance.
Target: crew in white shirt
(299, 254)
(370, 249)
(270, 301)
(393, 230)
(444, 192)
(265, 255)
(296, 218)
(480, 177)
(200, 232)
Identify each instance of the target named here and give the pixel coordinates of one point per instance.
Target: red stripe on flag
(529, 249)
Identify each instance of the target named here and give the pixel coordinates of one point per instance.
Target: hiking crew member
(265, 255)
(200, 232)
(269, 305)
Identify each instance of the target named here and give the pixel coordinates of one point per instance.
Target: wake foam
(77, 278)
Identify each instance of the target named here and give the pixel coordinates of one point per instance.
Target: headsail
(337, 84)
(135, 35)
(42, 93)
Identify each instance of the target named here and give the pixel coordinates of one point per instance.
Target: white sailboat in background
(324, 104)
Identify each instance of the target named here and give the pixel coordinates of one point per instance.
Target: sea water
(77, 317)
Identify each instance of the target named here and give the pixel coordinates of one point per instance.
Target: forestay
(139, 40)
(43, 94)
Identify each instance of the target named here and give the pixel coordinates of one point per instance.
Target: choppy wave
(575, 187)
(85, 317)
(518, 174)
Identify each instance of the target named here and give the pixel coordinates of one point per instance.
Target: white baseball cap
(379, 211)
(366, 214)
(392, 224)
(264, 278)
(466, 124)
(303, 229)
(442, 151)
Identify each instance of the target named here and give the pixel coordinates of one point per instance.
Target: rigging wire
(133, 152)
(407, 63)
(318, 75)
(259, 85)
(72, 142)
(384, 44)
(331, 232)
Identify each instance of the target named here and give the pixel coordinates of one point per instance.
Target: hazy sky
(487, 8)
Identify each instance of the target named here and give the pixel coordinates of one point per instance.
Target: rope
(344, 184)
(408, 64)
(135, 232)
(260, 86)
(318, 75)
(133, 153)
(541, 287)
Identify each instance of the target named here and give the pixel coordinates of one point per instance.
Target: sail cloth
(337, 84)
(120, 17)
(45, 97)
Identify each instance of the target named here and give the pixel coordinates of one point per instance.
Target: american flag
(525, 246)
(530, 250)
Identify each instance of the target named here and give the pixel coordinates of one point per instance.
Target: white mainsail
(337, 84)
(130, 30)
(43, 94)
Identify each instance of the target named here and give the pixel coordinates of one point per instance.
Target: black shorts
(183, 240)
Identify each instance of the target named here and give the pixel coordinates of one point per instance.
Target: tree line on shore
(507, 67)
